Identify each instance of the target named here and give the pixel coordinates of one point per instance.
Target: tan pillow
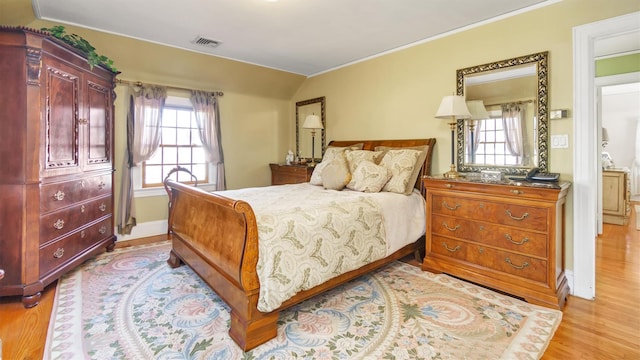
(369, 177)
(336, 175)
(401, 163)
(331, 153)
(419, 163)
(355, 157)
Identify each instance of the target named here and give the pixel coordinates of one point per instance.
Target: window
(180, 145)
(492, 147)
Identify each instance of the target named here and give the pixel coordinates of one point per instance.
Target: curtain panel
(207, 114)
(144, 117)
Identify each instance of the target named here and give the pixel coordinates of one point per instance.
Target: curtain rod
(140, 83)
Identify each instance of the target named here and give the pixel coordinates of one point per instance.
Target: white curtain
(205, 106)
(472, 148)
(513, 121)
(144, 117)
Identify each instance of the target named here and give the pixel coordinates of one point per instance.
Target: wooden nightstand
(290, 174)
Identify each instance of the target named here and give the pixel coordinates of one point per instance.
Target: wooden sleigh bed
(218, 238)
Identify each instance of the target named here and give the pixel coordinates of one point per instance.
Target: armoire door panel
(98, 125)
(61, 111)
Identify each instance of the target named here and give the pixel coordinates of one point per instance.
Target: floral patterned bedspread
(308, 235)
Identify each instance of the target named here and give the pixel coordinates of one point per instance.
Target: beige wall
(397, 95)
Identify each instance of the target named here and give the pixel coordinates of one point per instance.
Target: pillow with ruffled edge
(355, 157)
(401, 163)
(416, 170)
(336, 175)
(331, 153)
(369, 177)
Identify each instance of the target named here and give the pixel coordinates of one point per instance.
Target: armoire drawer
(60, 252)
(499, 212)
(504, 261)
(54, 196)
(508, 238)
(61, 222)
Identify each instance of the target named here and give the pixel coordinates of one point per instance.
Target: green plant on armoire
(78, 42)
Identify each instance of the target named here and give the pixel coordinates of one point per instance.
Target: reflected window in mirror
(508, 128)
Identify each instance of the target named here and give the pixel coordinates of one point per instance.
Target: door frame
(586, 150)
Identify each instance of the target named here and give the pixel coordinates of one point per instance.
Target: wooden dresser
(506, 237)
(290, 174)
(616, 196)
(56, 167)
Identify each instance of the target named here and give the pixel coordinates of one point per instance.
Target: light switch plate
(560, 141)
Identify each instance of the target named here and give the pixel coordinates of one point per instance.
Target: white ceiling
(300, 36)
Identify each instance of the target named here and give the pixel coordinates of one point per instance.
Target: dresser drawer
(62, 251)
(505, 213)
(500, 260)
(61, 222)
(57, 195)
(509, 238)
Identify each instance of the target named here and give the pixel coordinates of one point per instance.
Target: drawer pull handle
(102, 230)
(82, 183)
(449, 186)
(1, 274)
(83, 209)
(508, 237)
(102, 207)
(58, 196)
(83, 234)
(59, 224)
(451, 228)
(449, 249)
(58, 253)
(101, 185)
(516, 191)
(453, 208)
(524, 216)
(508, 261)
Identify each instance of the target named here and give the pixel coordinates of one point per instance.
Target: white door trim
(586, 150)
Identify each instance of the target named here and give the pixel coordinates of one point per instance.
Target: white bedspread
(308, 235)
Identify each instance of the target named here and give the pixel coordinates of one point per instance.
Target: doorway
(587, 149)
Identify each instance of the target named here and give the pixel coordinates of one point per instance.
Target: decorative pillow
(336, 175)
(355, 157)
(416, 169)
(401, 163)
(331, 153)
(369, 177)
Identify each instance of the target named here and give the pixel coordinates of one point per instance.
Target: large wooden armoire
(56, 161)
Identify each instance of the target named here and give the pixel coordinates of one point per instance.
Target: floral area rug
(129, 304)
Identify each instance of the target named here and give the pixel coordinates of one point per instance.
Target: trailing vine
(78, 42)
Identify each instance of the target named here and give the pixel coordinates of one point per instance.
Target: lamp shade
(453, 106)
(605, 135)
(477, 110)
(312, 122)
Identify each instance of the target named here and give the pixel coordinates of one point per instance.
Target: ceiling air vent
(203, 41)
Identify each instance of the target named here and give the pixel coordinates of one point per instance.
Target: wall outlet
(560, 141)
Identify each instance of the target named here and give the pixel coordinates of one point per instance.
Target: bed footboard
(218, 238)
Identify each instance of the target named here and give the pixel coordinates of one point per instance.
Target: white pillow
(329, 155)
(369, 177)
(401, 163)
(355, 157)
(419, 163)
(336, 175)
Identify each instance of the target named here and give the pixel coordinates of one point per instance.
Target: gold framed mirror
(310, 146)
(509, 132)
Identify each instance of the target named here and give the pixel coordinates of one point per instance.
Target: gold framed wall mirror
(310, 143)
(508, 130)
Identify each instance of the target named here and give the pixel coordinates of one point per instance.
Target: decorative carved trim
(34, 64)
(541, 59)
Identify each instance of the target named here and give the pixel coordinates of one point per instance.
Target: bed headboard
(371, 145)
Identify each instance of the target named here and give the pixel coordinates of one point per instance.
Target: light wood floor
(605, 328)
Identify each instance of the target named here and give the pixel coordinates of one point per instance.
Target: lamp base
(452, 173)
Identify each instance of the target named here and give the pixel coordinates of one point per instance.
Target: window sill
(160, 191)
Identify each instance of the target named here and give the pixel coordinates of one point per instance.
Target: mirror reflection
(310, 141)
(508, 127)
